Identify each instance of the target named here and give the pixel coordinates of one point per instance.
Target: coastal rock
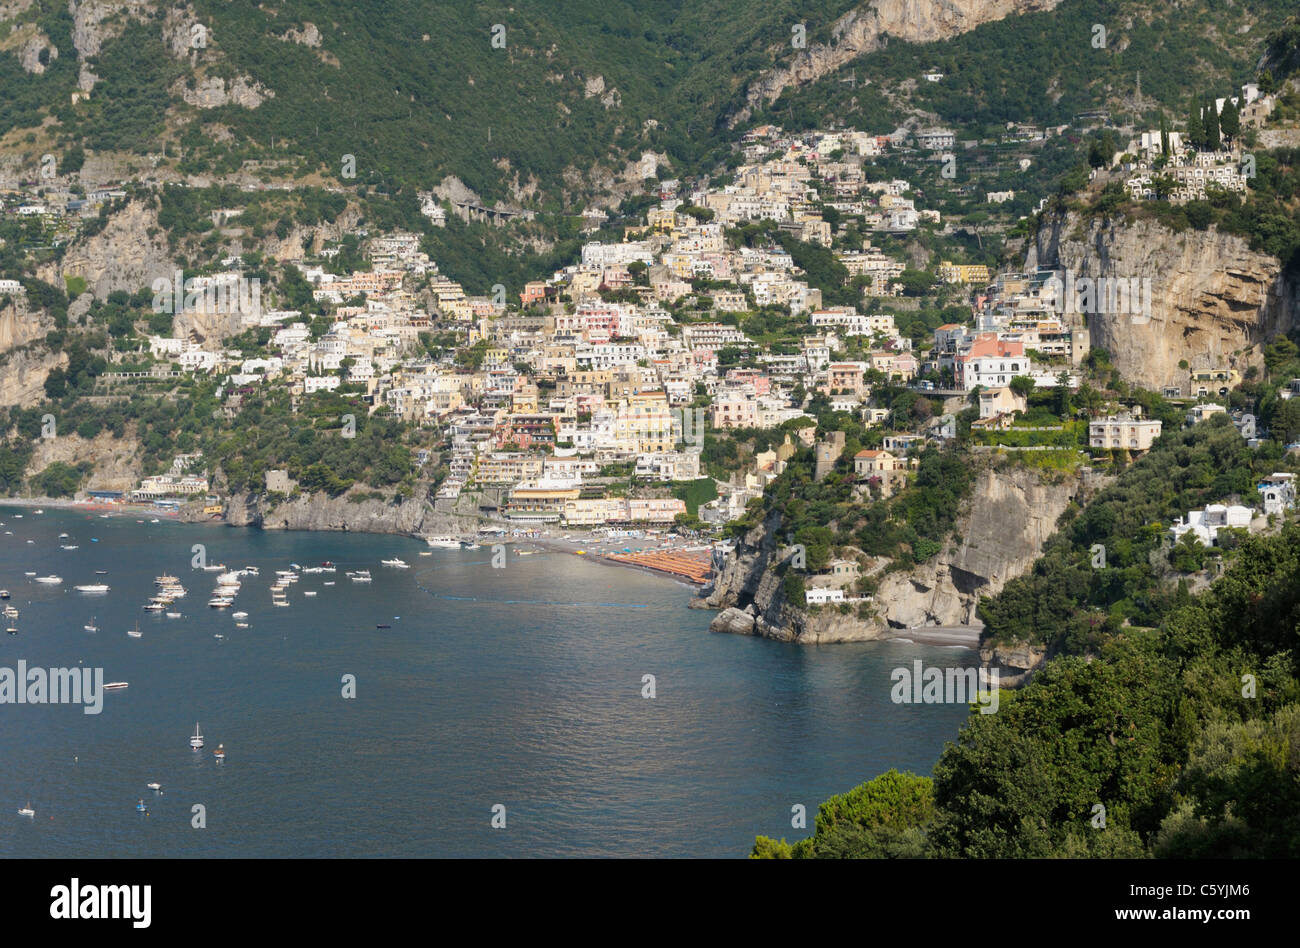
(999, 533)
(1016, 663)
(733, 620)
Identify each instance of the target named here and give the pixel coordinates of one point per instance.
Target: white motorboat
(360, 576)
(399, 563)
(67, 546)
(117, 685)
(166, 580)
(221, 602)
(173, 615)
(27, 810)
(239, 615)
(92, 588)
(197, 740)
(309, 592)
(49, 580)
(446, 543)
(215, 568)
(154, 786)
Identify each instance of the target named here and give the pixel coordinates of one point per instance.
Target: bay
(520, 687)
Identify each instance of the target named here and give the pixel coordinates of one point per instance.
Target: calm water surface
(519, 687)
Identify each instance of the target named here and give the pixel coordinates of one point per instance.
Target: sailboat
(135, 633)
(141, 808)
(27, 810)
(90, 626)
(197, 740)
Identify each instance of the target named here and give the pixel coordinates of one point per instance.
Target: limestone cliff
(870, 26)
(999, 533)
(321, 512)
(129, 253)
(1214, 301)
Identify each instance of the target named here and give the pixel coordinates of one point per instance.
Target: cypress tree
(1211, 126)
(1230, 121)
(1195, 130)
(1164, 135)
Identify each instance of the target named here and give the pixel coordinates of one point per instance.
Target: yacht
(50, 580)
(156, 605)
(166, 580)
(399, 563)
(92, 588)
(215, 568)
(221, 602)
(197, 740)
(448, 543)
(252, 571)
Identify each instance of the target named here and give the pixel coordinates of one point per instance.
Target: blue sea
(517, 691)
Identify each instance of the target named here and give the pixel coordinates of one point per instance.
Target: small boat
(63, 536)
(309, 592)
(239, 615)
(197, 740)
(27, 810)
(11, 630)
(360, 576)
(173, 615)
(329, 582)
(252, 571)
(50, 580)
(166, 580)
(29, 574)
(446, 543)
(215, 568)
(101, 572)
(92, 588)
(117, 685)
(90, 626)
(399, 563)
(426, 553)
(328, 567)
(154, 786)
(39, 511)
(141, 808)
(221, 602)
(383, 627)
(238, 625)
(279, 602)
(66, 546)
(218, 635)
(11, 612)
(4, 594)
(135, 633)
(154, 520)
(220, 752)
(157, 605)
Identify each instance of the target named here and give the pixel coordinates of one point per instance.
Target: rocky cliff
(999, 534)
(870, 26)
(321, 512)
(1214, 301)
(129, 253)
